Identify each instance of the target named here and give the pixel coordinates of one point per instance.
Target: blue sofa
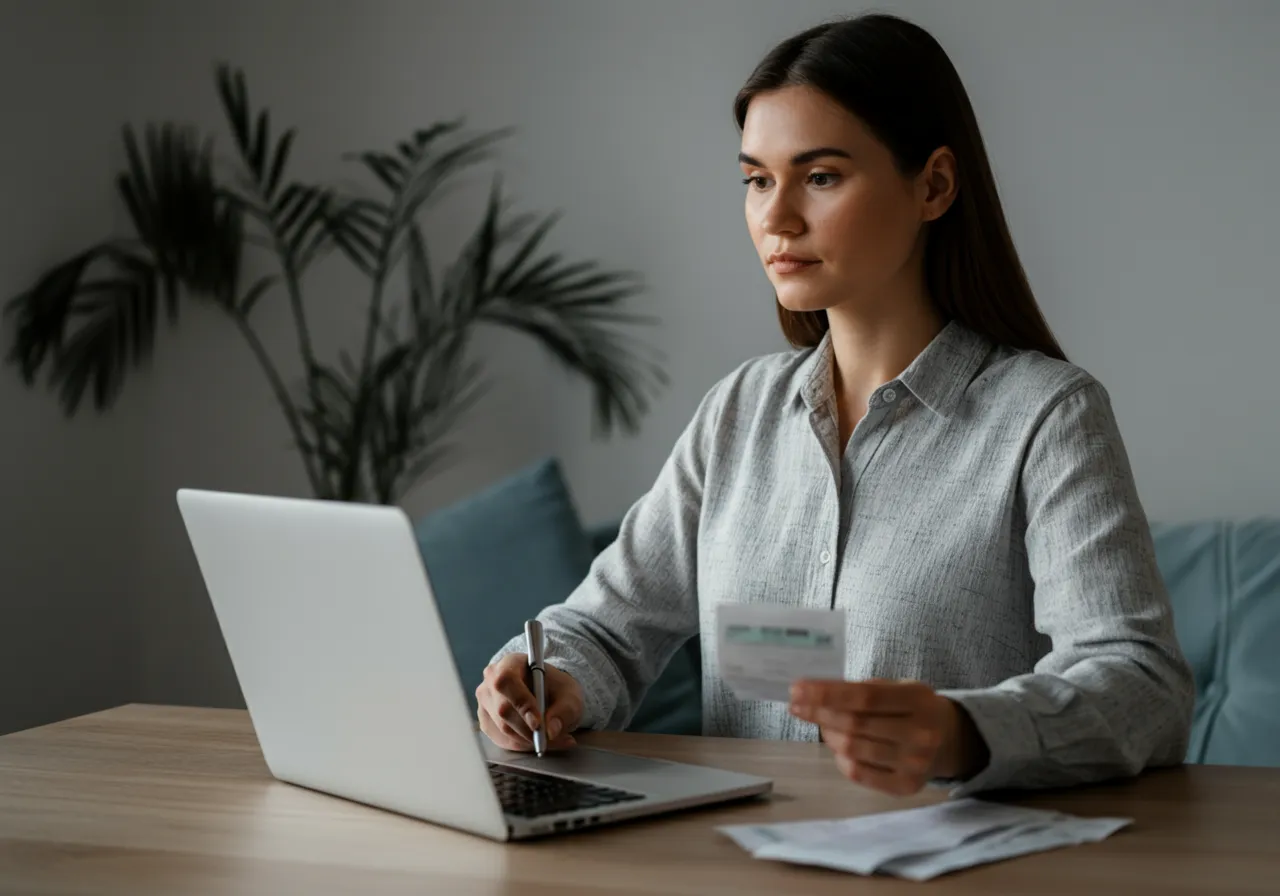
(498, 557)
(1224, 582)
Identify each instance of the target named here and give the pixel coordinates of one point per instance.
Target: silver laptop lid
(341, 655)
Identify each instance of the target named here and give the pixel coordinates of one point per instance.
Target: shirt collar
(937, 377)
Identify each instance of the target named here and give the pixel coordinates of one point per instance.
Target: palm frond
(620, 376)
(299, 216)
(294, 214)
(415, 396)
(42, 313)
(573, 309)
(89, 330)
(428, 172)
(256, 292)
(419, 401)
(180, 213)
(252, 134)
(422, 298)
(377, 234)
(359, 229)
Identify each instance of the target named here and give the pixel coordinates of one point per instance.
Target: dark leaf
(256, 292)
(258, 150)
(300, 221)
(42, 312)
(430, 171)
(92, 330)
(281, 156)
(422, 288)
(192, 230)
(619, 377)
(264, 159)
(506, 276)
(389, 171)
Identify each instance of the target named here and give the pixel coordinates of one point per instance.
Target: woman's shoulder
(1031, 383)
(764, 379)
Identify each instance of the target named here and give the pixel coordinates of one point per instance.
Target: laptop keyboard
(530, 794)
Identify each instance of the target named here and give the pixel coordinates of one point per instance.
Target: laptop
(328, 615)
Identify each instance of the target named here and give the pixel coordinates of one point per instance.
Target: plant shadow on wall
(375, 422)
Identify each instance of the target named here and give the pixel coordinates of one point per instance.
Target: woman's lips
(791, 267)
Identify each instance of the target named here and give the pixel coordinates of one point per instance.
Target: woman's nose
(781, 215)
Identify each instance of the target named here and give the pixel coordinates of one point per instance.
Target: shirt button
(890, 396)
(825, 556)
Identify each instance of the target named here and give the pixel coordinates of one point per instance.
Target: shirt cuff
(1010, 734)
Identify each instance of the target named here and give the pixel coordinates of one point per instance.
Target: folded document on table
(919, 844)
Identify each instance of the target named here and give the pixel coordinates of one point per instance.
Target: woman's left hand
(893, 736)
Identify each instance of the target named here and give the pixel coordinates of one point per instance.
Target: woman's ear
(937, 184)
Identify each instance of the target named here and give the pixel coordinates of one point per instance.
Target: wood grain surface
(150, 799)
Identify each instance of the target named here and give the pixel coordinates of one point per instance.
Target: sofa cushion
(1224, 581)
(500, 556)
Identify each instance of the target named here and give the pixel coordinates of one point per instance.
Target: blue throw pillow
(500, 556)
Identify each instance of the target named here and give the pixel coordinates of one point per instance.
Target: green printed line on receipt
(777, 636)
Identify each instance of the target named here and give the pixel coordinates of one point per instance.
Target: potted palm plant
(371, 423)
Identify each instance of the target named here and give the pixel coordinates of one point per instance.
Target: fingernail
(555, 728)
(532, 719)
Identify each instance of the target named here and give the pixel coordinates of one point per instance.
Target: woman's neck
(874, 345)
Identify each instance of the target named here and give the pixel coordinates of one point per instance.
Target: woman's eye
(818, 179)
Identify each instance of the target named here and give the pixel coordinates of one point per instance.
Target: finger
(887, 755)
(903, 756)
(850, 746)
(509, 734)
(563, 742)
(562, 717)
(877, 727)
(507, 681)
(873, 697)
(499, 733)
(914, 736)
(830, 719)
(510, 716)
(876, 752)
(562, 738)
(501, 712)
(895, 782)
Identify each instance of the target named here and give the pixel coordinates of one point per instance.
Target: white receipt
(922, 843)
(763, 648)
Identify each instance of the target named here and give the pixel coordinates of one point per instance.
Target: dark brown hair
(900, 83)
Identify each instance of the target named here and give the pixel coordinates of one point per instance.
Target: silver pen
(537, 679)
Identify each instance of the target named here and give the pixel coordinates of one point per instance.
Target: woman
(927, 460)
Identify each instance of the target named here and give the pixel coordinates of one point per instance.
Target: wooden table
(147, 799)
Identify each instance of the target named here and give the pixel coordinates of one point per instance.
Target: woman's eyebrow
(801, 158)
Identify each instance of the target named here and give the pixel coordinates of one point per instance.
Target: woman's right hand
(508, 712)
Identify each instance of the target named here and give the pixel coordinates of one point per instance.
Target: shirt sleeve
(1114, 695)
(639, 603)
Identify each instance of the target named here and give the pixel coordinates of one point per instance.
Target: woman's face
(823, 188)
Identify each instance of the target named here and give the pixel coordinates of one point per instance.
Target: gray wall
(68, 490)
(1133, 142)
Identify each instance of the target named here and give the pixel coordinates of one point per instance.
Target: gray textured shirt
(982, 530)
